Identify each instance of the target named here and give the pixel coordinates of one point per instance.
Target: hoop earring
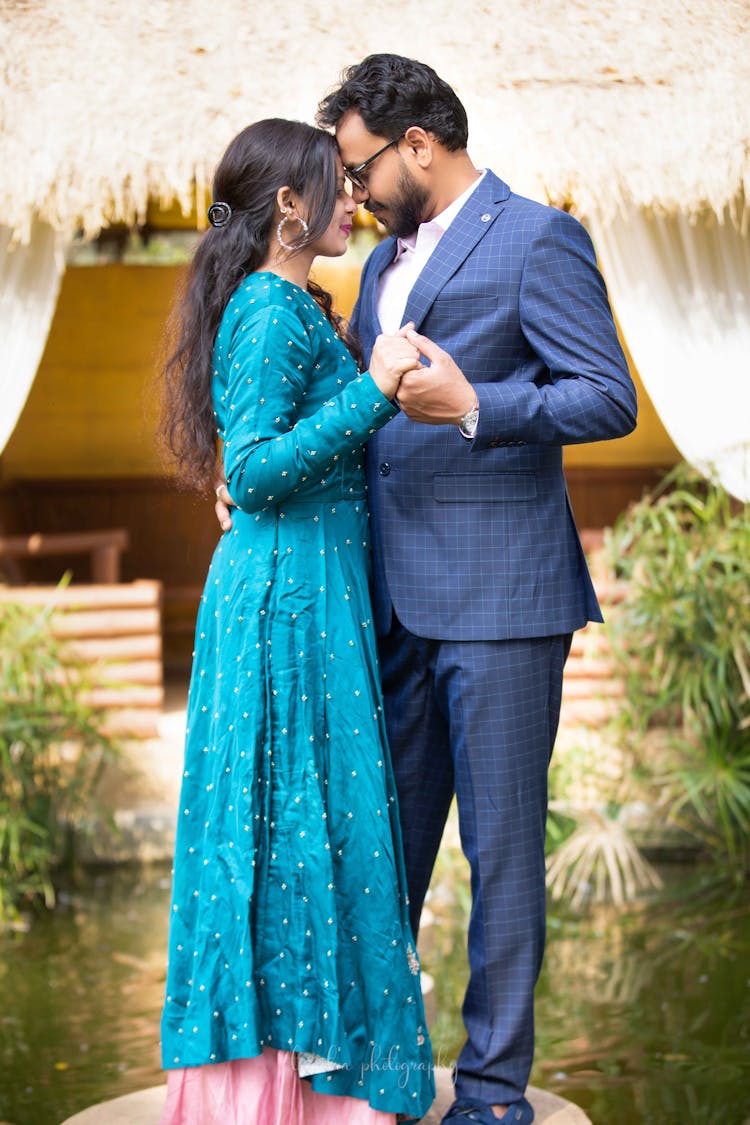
(290, 219)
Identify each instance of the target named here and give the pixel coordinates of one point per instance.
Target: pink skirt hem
(266, 1090)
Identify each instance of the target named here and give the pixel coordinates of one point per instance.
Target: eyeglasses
(355, 174)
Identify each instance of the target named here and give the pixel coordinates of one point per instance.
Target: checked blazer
(475, 540)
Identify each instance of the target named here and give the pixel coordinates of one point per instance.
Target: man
(479, 576)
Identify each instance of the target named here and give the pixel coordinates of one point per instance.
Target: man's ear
(421, 144)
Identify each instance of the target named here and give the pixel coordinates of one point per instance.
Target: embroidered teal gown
(289, 924)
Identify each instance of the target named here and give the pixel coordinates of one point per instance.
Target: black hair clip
(219, 214)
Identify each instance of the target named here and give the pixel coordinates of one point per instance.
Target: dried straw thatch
(601, 101)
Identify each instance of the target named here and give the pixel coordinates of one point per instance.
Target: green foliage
(52, 751)
(591, 855)
(682, 639)
(560, 827)
(599, 859)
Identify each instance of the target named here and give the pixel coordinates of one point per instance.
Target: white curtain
(681, 292)
(30, 276)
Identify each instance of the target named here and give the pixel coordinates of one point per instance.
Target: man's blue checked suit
(479, 577)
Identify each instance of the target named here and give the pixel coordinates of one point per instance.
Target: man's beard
(407, 210)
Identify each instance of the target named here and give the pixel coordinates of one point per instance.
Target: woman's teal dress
(289, 923)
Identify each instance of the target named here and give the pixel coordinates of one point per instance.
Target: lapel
(386, 253)
(467, 229)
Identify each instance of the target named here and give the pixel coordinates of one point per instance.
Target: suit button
(384, 469)
(494, 443)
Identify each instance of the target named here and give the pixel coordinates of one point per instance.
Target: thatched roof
(600, 101)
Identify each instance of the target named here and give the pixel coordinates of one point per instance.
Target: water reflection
(81, 995)
(642, 1016)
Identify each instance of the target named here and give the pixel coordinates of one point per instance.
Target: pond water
(642, 1016)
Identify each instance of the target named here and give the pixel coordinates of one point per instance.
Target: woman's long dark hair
(261, 159)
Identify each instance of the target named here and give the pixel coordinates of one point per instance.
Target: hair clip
(219, 214)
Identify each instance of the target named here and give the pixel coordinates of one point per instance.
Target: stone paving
(144, 1107)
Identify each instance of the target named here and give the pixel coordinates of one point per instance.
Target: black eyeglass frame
(354, 174)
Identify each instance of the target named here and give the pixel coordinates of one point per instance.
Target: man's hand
(439, 394)
(223, 503)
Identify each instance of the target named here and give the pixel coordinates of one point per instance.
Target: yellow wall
(93, 409)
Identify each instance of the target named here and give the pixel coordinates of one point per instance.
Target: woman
(293, 989)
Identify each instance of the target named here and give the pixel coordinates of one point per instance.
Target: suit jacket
(475, 540)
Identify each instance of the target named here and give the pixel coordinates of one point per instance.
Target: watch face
(468, 423)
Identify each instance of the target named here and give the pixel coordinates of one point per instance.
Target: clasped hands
(437, 393)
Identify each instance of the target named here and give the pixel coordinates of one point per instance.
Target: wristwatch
(470, 421)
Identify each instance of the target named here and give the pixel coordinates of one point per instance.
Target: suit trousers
(480, 718)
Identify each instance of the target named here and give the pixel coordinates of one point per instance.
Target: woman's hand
(391, 357)
(222, 506)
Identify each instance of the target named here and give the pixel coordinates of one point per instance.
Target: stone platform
(144, 1108)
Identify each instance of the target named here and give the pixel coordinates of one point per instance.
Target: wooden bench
(116, 629)
(103, 547)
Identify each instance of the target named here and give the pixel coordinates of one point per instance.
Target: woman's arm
(270, 449)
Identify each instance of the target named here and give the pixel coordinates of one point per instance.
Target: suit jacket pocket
(483, 488)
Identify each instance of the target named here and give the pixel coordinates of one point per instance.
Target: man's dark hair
(391, 93)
